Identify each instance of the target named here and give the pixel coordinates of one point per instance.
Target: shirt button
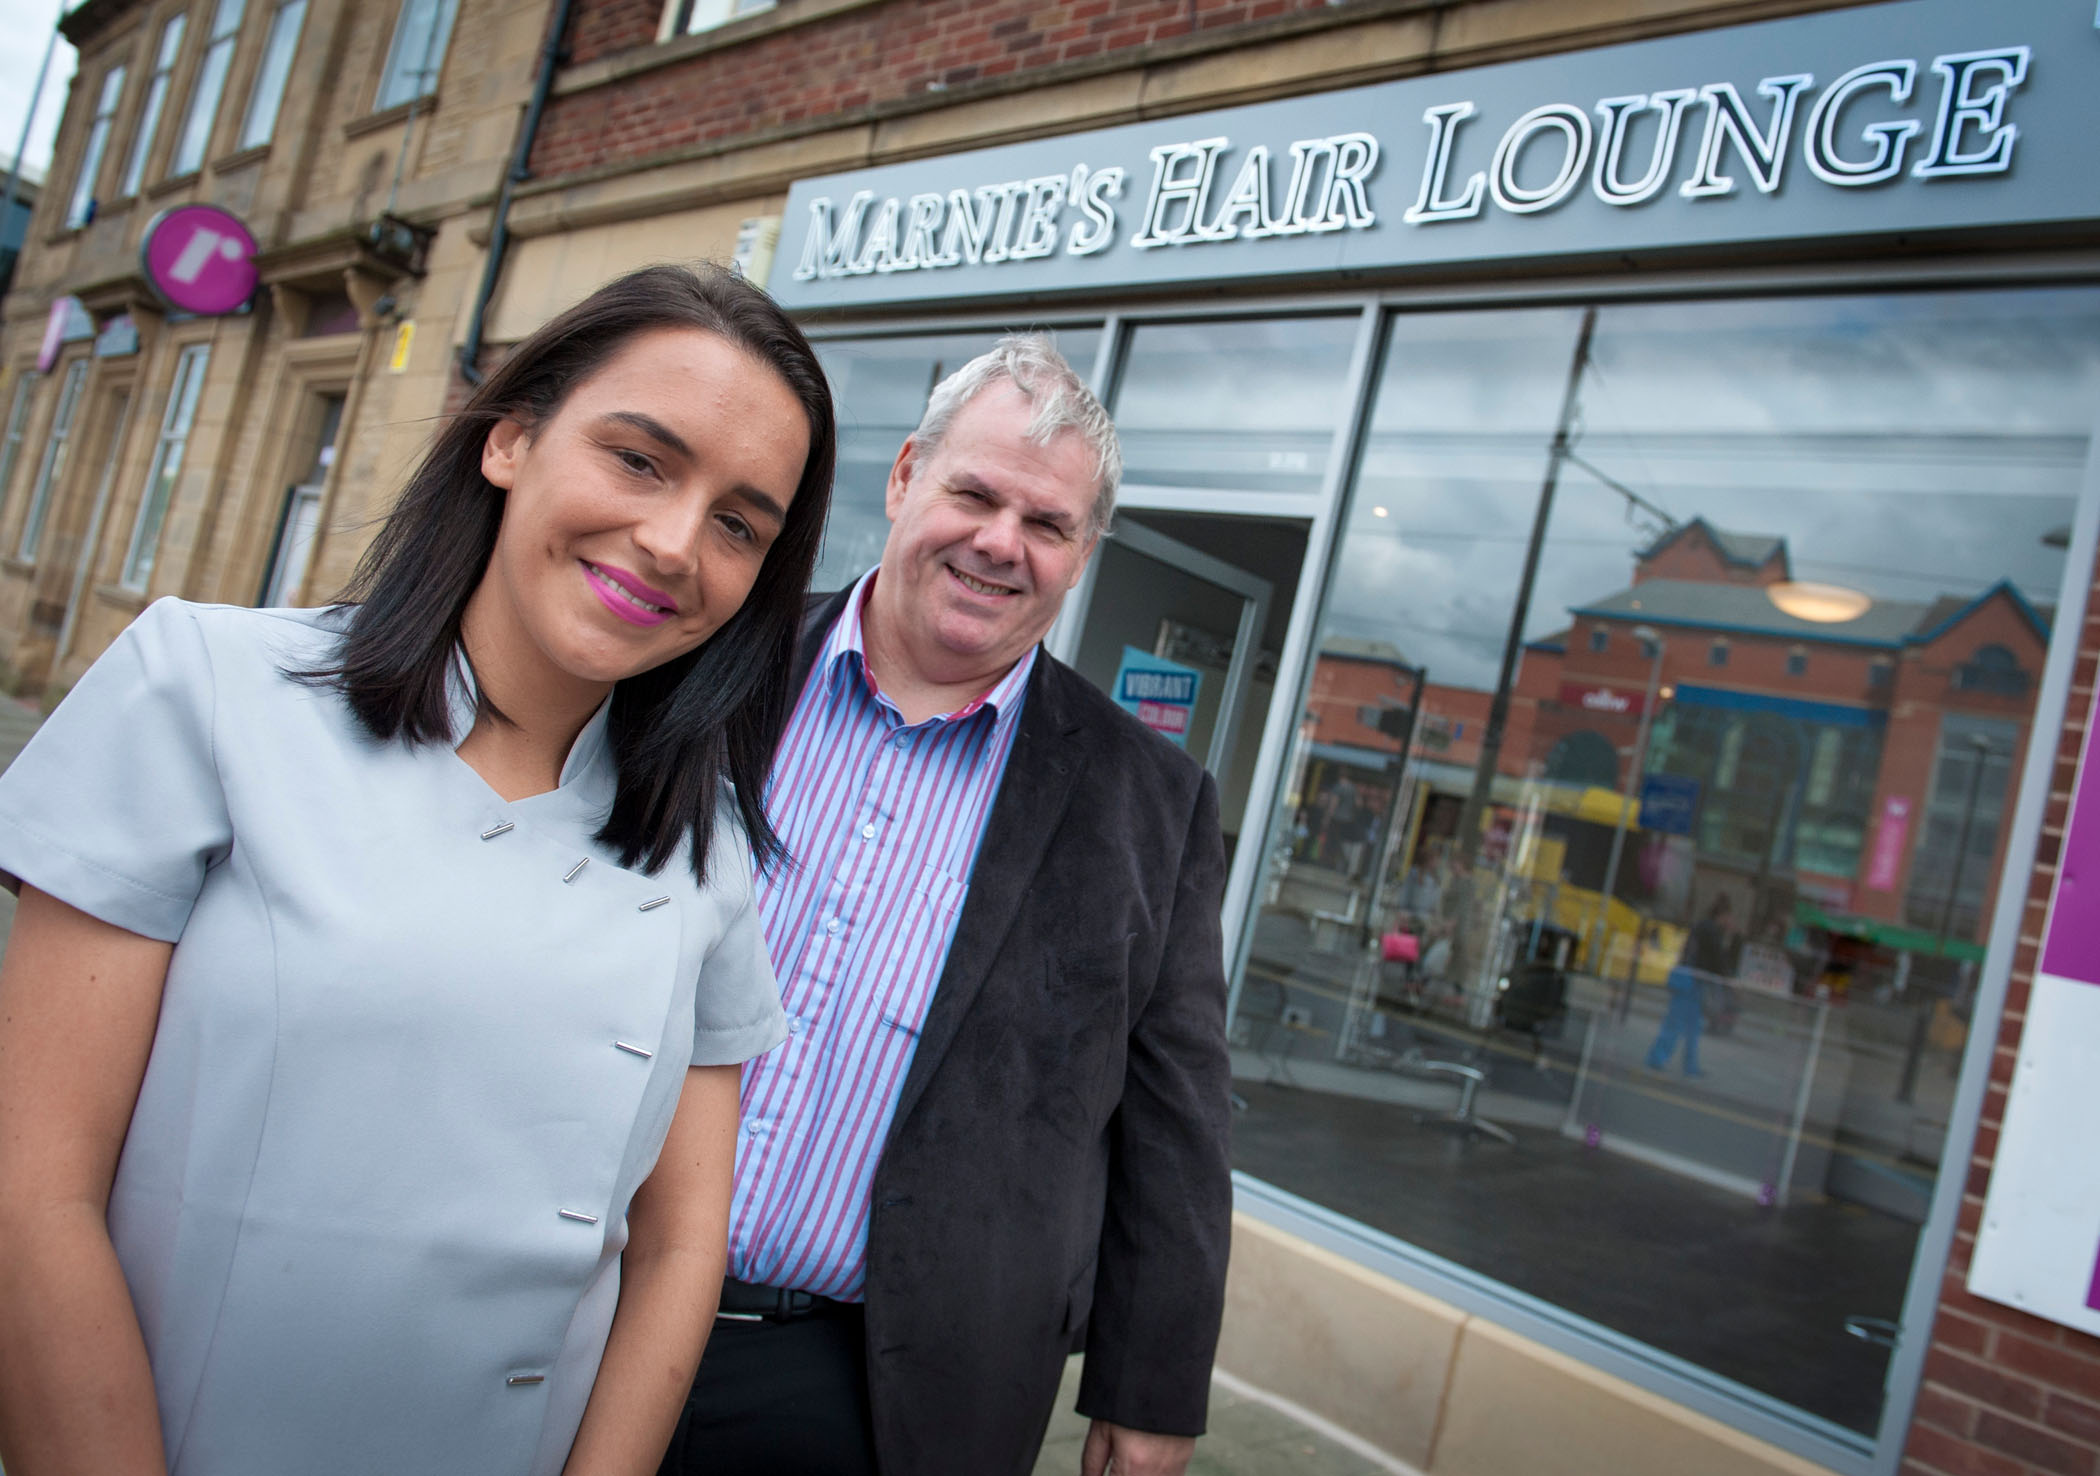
(754, 1129)
(832, 927)
(794, 1024)
(867, 832)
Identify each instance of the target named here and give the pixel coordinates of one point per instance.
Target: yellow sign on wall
(404, 336)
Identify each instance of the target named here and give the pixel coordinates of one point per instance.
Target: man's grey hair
(1031, 363)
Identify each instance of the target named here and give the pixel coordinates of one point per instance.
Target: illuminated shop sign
(1918, 116)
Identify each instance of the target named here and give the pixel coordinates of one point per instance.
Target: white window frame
(416, 55)
(690, 17)
(82, 208)
(53, 464)
(193, 144)
(184, 390)
(272, 74)
(17, 426)
(171, 34)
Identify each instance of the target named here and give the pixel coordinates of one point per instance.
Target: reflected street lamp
(1650, 637)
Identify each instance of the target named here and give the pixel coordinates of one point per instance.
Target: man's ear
(502, 452)
(900, 478)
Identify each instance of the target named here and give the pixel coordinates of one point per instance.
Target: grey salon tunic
(411, 1063)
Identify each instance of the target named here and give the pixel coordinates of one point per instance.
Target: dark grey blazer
(1058, 1159)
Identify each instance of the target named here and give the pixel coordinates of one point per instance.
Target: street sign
(200, 259)
(1669, 803)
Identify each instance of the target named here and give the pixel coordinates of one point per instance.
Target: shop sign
(1885, 864)
(1669, 803)
(2038, 1248)
(1160, 693)
(200, 259)
(118, 339)
(1603, 701)
(67, 322)
(1915, 116)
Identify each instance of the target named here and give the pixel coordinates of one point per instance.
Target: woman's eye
(634, 461)
(738, 528)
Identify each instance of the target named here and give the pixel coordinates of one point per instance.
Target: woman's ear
(503, 451)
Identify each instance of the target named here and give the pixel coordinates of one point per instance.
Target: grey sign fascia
(1978, 114)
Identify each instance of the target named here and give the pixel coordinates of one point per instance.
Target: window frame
(146, 131)
(170, 444)
(51, 466)
(437, 42)
(684, 17)
(280, 49)
(200, 119)
(81, 207)
(16, 430)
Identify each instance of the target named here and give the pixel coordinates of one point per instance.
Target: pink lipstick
(627, 597)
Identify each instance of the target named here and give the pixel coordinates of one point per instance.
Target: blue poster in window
(1160, 693)
(1669, 803)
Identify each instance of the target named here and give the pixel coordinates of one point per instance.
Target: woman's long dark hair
(678, 730)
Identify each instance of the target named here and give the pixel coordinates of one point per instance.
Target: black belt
(744, 1301)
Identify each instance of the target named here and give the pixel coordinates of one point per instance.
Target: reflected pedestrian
(1704, 957)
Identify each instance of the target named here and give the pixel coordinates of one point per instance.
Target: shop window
(299, 523)
(417, 53)
(209, 86)
(1993, 670)
(17, 425)
(1238, 406)
(1549, 917)
(689, 16)
(51, 468)
(156, 101)
(166, 464)
(880, 386)
(81, 209)
(267, 95)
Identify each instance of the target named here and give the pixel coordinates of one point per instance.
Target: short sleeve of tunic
(736, 1007)
(116, 806)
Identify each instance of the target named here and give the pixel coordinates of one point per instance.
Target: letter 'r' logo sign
(200, 259)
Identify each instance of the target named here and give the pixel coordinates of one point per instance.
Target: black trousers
(779, 1399)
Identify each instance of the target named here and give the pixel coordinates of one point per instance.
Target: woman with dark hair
(371, 1026)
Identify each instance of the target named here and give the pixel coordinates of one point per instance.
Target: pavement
(1247, 1438)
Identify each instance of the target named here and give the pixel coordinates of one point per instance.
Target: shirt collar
(844, 650)
(463, 706)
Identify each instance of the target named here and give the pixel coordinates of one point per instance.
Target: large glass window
(705, 15)
(156, 100)
(81, 209)
(880, 386)
(1247, 405)
(417, 54)
(166, 465)
(208, 87)
(51, 468)
(267, 96)
(1620, 914)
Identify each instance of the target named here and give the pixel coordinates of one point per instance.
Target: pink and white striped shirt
(882, 822)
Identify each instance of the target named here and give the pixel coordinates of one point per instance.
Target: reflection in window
(1234, 406)
(880, 387)
(81, 210)
(705, 15)
(209, 86)
(1689, 713)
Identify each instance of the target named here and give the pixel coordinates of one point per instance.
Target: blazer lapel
(1041, 770)
(818, 616)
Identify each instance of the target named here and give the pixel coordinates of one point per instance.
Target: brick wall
(858, 60)
(2006, 1394)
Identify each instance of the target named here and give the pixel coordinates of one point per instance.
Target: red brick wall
(857, 60)
(2006, 1394)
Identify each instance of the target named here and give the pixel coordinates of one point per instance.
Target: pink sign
(200, 259)
(1608, 700)
(2071, 937)
(1887, 862)
(68, 320)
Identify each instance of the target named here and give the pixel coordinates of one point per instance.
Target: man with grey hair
(997, 1130)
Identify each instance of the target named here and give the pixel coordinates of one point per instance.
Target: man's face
(986, 537)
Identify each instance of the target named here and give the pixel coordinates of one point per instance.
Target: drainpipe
(499, 232)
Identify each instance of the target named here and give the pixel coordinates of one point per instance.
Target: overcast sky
(27, 25)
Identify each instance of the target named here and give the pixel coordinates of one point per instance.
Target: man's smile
(980, 586)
